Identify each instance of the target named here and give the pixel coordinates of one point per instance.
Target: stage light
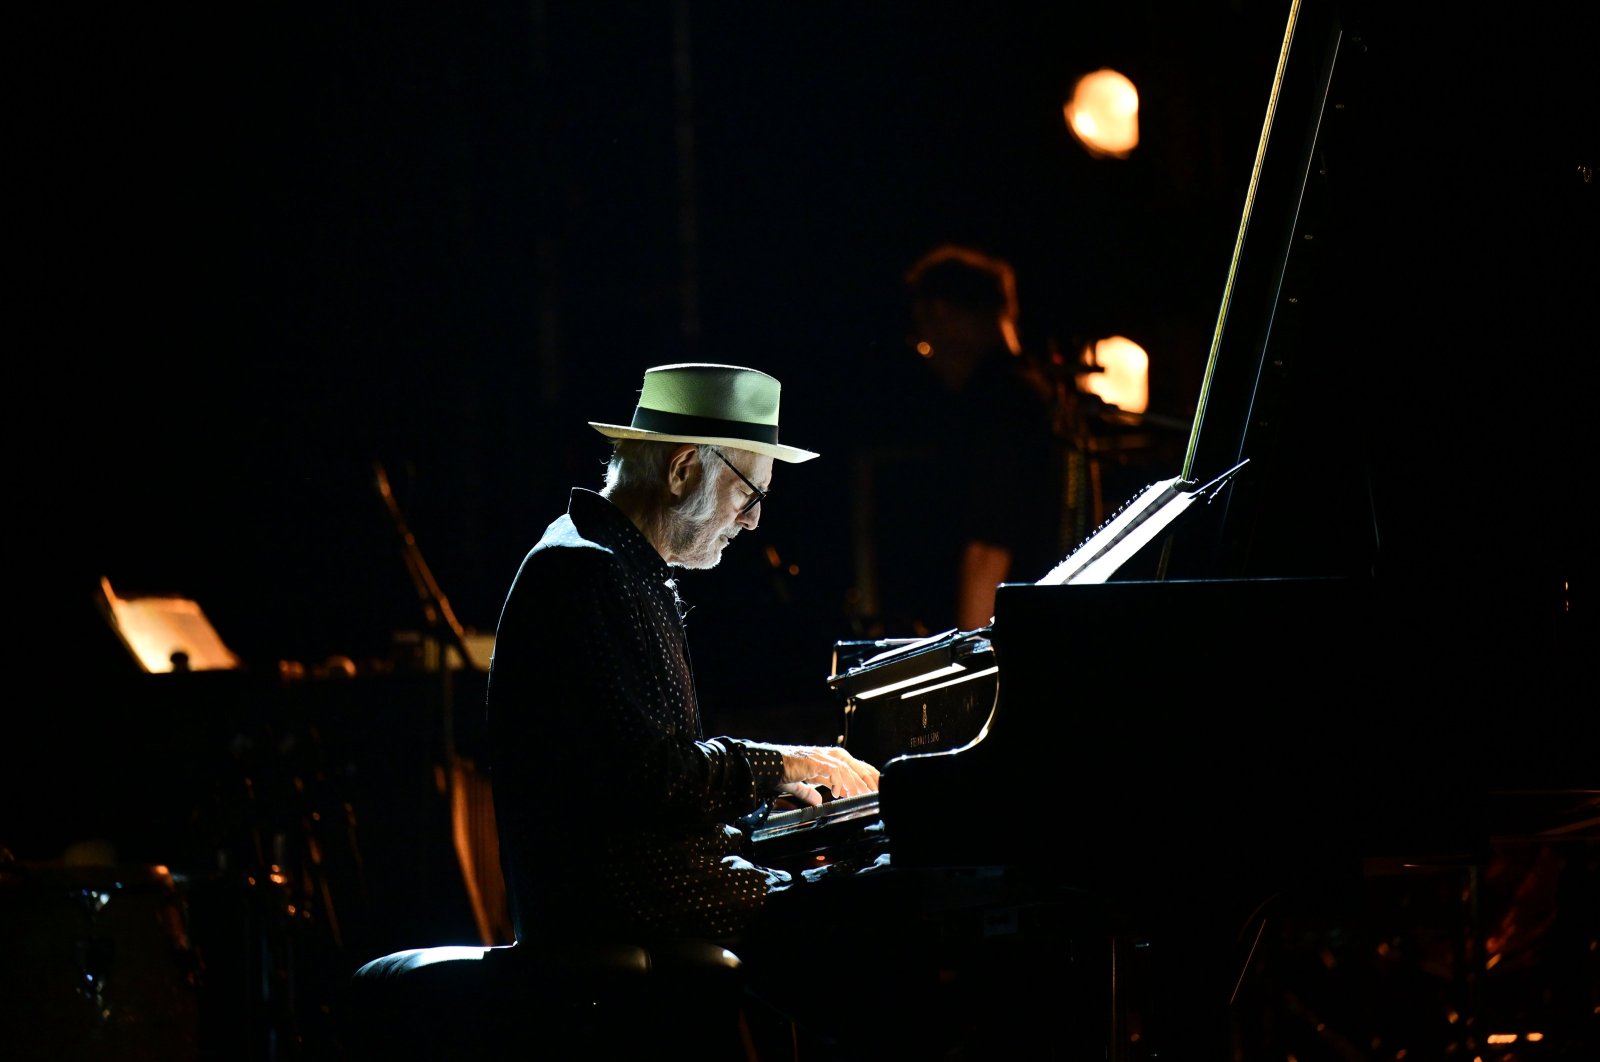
(1103, 114)
(1124, 377)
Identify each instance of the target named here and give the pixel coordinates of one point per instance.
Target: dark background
(262, 250)
(267, 251)
(258, 250)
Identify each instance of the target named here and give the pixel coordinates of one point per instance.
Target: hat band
(665, 423)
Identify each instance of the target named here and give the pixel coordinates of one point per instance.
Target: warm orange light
(166, 633)
(1124, 379)
(1103, 114)
(1501, 1038)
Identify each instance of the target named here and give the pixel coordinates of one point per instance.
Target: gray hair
(640, 466)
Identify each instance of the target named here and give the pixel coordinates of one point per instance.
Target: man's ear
(683, 470)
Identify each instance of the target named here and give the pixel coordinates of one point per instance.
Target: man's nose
(750, 518)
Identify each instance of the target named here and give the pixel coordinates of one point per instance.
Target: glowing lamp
(1103, 114)
(1124, 377)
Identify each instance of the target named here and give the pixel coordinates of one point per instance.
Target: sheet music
(157, 629)
(1132, 527)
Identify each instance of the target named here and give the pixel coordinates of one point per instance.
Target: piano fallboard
(922, 696)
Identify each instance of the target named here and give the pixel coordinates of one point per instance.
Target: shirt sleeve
(765, 764)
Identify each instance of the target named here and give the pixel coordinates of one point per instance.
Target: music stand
(165, 633)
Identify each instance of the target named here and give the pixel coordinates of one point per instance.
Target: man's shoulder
(1013, 380)
(592, 540)
(590, 523)
(564, 538)
(565, 561)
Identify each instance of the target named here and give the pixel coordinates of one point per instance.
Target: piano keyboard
(786, 824)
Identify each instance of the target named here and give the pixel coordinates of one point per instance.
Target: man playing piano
(617, 815)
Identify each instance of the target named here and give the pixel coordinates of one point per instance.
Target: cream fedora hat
(716, 405)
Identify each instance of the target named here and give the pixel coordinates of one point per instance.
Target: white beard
(696, 535)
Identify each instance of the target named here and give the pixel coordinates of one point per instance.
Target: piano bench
(533, 1001)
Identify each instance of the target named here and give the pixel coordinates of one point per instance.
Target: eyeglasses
(759, 494)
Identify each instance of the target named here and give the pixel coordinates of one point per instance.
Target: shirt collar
(597, 519)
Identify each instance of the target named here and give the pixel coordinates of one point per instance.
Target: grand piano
(1295, 779)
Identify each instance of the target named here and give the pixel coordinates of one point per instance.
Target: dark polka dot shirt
(615, 812)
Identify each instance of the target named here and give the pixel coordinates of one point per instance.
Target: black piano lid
(1405, 335)
(1392, 594)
